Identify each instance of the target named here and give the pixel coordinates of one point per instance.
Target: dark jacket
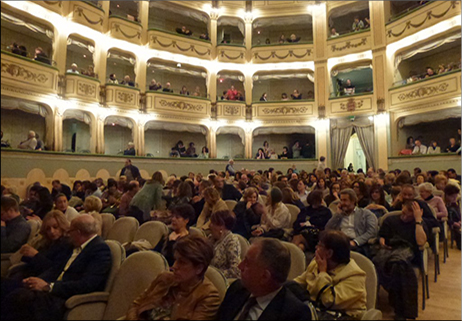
(230, 193)
(131, 152)
(15, 234)
(66, 190)
(245, 219)
(135, 171)
(427, 216)
(88, 273)
(285, 306)
(318, 217)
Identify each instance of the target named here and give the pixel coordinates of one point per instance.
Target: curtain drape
(78, 115)
(175, 127)
(121, 121)
(178, 70)
(233, 131)
(28, 107)
(35, 28)
(367, 141)
(309, 75)
(340, 140)
(233, 22)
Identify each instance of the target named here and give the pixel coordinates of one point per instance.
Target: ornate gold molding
(52, 3)
(86, 89)
(352, 105)
(285, 110)
(349, 45)
(119, 29)
(18, 71)
(322, 111)
(81, 13)
(230, 110)
(289, 54)
(181, 105)
(126, 97)
(239, 56)
(424, 92)
(174, 44)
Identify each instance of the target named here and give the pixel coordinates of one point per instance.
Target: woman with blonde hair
(92, 206)
(213, 204)
(248, 213)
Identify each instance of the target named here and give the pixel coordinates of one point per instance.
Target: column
(140, 71)
(100, 134)
(248, 87)
(143, 16)
(140, 147)
(60, 51)
(105, 5)
(213, 27)
(322, 140)
(248, 143)
(382, 126)
(101, 62)
(321, 72)
(93, 134)
(136, 137)
(212, 141)
(57, 131)
(248, 36)
(212, 85)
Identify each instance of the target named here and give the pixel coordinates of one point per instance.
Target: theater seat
(124, 230)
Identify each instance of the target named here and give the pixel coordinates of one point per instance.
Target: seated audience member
(410, 144)
(40, 146)
(435, 202)
(360, 225)
(275, 218)
(308, 150)
(178, 150)
(62, 204)
(30, 142)
(282, 39)
(226, 246)
(290, 197)
(452, 175)
(86, 271)
(224, 96)
(130, 150)
(59, 188)
(261, 293)
(15, 229)
(451, 195)
(42, 202)
(231, 93)
(296, 95)
(182, 215)
(333, 33)
(395, 265)
(430, 72)
(130, 171)
(267, 41)
(300, 189)
(434, 148)
(111, 195)
(18, 50)
(204, 153)
(167, 88)
(154, 85)
(264, 97)
(441, 69)
(266, 149)
(197, 92)
(147, 199)
(334, 194)
(213, 204)
(453, 146)
(334, 279)
(184, 31)
(127, 197)
(93, 206)
(113, 79)
(191, 151)
(198, 201)
(184, 91)
(227, 191)
(248, 213)
(419, 148)
(239, 96)
(357, 24)
(285, 153)
(90, 72)
(204, 36)
(4, 143)
(440, 182)
(296, 149)
(293, 38)
(420, 179)
(378, 205)
(41, 56)
(127, 81)
(183, 195)
(321, 186)
(260, 154)
(349, 88)
(284, 97)
(362, 193)
(73, 69)
(183, 294)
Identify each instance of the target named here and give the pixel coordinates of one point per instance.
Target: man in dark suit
(85, 271)
(227, 192)
(261, 294)
(59, 188)
(132, 172)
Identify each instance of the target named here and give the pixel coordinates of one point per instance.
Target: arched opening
(282, 85)
(342, 19)
(125, 9)
(76, 131)
(118, 132)
(230, 143)
(269, 31)
(231, 30)
(227, 79)
(279, 138)
(355, 155)
(161, 137)
(80, 52)
(161, 72)
(119, 65)
(23, 36)
(351, 79)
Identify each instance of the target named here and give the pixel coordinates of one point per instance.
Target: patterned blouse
(227, 256)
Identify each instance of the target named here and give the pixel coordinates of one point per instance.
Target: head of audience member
(284, 96)
(348, 82)
(211, 196)
(315, 199)
(221, 223)
(133, 188)
(356, 19)
(167, 85)
(334, 247)
(377, 194)
(57, 185)
(275, 197)
(407, 193)
(74, 67)
(181, 216)
(183, 89)
(157, 177)
(153, 82)
(348, 201)
(92, 204)
(407, 212)
(54, 226)
(184, 190)
(82, 229)
(395, 192)
(251, 196)
(360, 189)
(289, 196)
(452, 173)
(418, 142)
(31, 134)
(451, 194)
(9, 209)
(61, 202)
(440, 182)
(113, 77)
(219, 183)
(335, 189)
(127, 79)
(193, 255)
(293, 37)
(430, 71)
(261, 152)
(321, 183)
(267, 41)
(425, 190)
(333, 32)
(232, 88)
(420, 179)
(38, 51)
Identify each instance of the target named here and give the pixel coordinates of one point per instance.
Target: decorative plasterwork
(349, 45)
(26, 75)
(349, 105)
(291, 53)
(86, 89)
(231, 110)
(285, 111)
(124, 97)
(352, 104)
(423, 92)
(80, 12)
(118, 28)
(180, 105)
(224, 54)
(174, 44)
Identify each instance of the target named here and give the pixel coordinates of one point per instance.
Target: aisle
(445, 295)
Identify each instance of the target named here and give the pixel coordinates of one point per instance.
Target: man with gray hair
(230, 168)
(359, 224)
(73, 69)
(130, 150)
(30, 143)
(85, 270)
(261, 293)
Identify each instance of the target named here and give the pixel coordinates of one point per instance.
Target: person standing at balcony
(367, 25)
(453, 147)
(90, 72)
(357, 24)
(349, 88)
(167, 88)
(231, 93)
(127, 81)
(296, 149)
(184, 91)
(264, 97)
(430, 72)
(419, 148)
(130, 150)
(293, 38)
(296, 95)
(113, 79)
(282, 39)
(30, 142)
(333, 33)
(41, 56)
(155, 85)
(230, 168)
(197, 92)
(73, 69)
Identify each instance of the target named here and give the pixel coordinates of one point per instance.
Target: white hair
(31, 133)
(426, 187)
(131, 144)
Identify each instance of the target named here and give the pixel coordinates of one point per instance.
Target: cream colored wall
(160, 142)
(230, 146)
(71, 126)
(16, 125)
(116, 139)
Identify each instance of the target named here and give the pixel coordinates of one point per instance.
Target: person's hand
(249, 205)
(3, 223)
(384, 245)
(335, 194)
(36, 284)
(257, 232)
(353, 244)
(322, 263)
(28, 251)
(418, 212)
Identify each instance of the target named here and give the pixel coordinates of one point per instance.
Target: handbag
(311, 235)
(325, 313)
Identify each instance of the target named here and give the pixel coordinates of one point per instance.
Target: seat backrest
(231, 204)
(135, 275)
(218, 279)
(118, 256)
(196, 231)
(153, 232)
(371, 278)
(383, 218)
(297, 259)
(34, 228)
(124, 230)
(108, 222)
(294, 211)
(244, 245)
(439, 193)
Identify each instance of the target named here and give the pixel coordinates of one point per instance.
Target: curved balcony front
(123, 97)
(282, 53)
(351, 105)
(231, 53)
(350, 43)
(82, 87)
(282, 110)
(29, 74)
(124, 29)
(172, 42)
(87, 14)
(56, 6)
(179, 106)
(231, 110)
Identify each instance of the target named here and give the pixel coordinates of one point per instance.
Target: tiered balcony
(231, 53)
(277, 110)
(349, 43)
(124, 97)
(124, 29)
(436, 88)
(88, 14)
(172, 42)
(351, 105)
(233, 110)
(420, 19)
(82, 87)
(282, 53)
(172, 104)
(25, 73)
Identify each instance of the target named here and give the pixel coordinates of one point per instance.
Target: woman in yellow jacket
(333, 279)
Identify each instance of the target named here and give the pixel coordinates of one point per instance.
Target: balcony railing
(88, 14)
(82, 87)
(353, 42)
(283, 109)
(186, 106)
(122, 96)
(231, 109)
(125, 29)
(282, 52)
(352, 104)
(231, 53)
